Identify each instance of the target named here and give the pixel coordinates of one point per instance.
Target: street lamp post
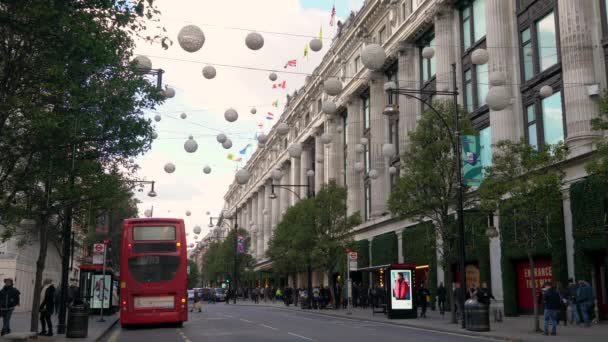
(393, 109)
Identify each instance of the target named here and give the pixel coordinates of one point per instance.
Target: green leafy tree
(426, 190)
(194, 277)
(219, 258)
(525, 184)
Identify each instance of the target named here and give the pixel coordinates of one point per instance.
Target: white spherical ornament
(364, 141)
(480, 57)
(148, 213)
(207, 170)
(169, 93)
(190, 145)
(196, 230)
(329, 107)
(221, 138)
(388, 150)
(497, 78)
(183, 115)
(227, 144)
(154, 135)
(359, 167)
(498, 98)
(209, 213)
(157, 117)
(242, 176)
(231, 115)
(339, 129)
(373, 174)
(392, 170)
(195, 237)
(188, 213)
(143, 63)
(315, 44)
(262, 138)
(373, 57)
(276, 174)
(209, 72)
(295, 150)
(191, 38)
(310, 173)
(253, 111)
(428, 52)
(332, 86)
(169, 168)
(254, 41)
(326, 138)
(273, 76)
(359, 148)
(546, 91)
(131, 160)
(282, 128)
(319, 158)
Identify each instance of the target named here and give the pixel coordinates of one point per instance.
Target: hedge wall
(588, 212)
(362, 248)
(477, 244)
(384, 249)
(512, 252)
(419, 248)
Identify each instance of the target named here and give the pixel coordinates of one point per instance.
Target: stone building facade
(533, 43)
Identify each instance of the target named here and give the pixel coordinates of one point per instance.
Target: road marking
(268, 326)
(245, 320)
(300, 336)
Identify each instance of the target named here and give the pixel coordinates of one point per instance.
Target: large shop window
(473, 22)
(545, 121)
(539, 50)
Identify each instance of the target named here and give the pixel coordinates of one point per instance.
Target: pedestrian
(197, 302)
(57, 300)
(316, 296)
(575, 317)
(422, 299)
(456, 290)
(9, 299)
(46, 307)
(484, 294)
(551, 303)
(73, 292)
(563, 308)
(441, 296)
(585, 299)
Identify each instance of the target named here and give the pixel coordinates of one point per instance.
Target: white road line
(268, 326)
(245, 320)
(300, 336)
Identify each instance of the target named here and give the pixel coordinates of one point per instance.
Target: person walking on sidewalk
(563, 308)
(551, 303)
(423, 294)
(441, 295)
(574, 309)
(9, 299)
(46, 307)
(585, 299)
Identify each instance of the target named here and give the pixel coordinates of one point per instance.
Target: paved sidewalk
(20, 322)
(511, 329)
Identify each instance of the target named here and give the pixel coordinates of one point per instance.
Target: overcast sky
(204, 101)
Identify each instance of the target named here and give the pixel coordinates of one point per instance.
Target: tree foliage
(194, 276)
(218, 259)
(599, 164)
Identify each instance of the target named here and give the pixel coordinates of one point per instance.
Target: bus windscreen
(154, 233)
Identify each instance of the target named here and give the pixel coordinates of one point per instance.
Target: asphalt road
(234, 323)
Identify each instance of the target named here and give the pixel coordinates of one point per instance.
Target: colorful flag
(275, 103)
(261, 125)
(244, 151)
(240, 244)
(306, 50)
(269, 116)
(332, 20)
(237, 159)
(230, 156)
(291, 63)
(280, 85)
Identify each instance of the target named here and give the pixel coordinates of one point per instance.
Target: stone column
(409, 108)
(569, 233)
(260, 223)
(319, 166)
(276, 204)
(285, 195)
(254, 244)
(332, 160)
(304, 167)
(336, 149)
(400, 256)
(576, 25)
(500, 28)
(496, 266)
(354, 130)
(295, 179)
(445, 37)
(378, 137)
(268, 206)
(254, 218)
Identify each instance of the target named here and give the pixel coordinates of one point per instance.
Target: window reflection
(547, 46)
(553, 123)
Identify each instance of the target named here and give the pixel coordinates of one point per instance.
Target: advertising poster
(99, 292)
(240, 246)
(471, 164)
(401, 289)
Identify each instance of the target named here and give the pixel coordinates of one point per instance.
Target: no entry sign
(99, 247)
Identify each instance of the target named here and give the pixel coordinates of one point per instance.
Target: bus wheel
(125, 326)
(180, 324)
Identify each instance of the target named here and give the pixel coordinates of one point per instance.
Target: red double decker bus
(153, 271)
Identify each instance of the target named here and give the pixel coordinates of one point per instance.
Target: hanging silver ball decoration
(276, 174)
(262, 138)
(498, 98)
(191, 38)
(480, 57)
(188, 213)
(221, 138)
(388, 150)
(183, 115)
(209, 213)
(154, 135)
(253, 111)
(329, 107)
(143, 63)
(359, 167)
(231, 115)
(242, 176)
(273, 76)
(209, 72)
(332, 86)
(373, 57)
(392, 170)
(169, 168)
(373, 174)
(295, 150)
(207, 169)
(315, 44)
(227, 144)
(497, 78)
(169, 93)
(364, 141)
(310, 173)
(326, 138)
(148, 213)
(196, 230)
(428, 52)
(190, 145)
(157, 117)
(359, 148)
(131, 160)
(282, 128)
(254, 41)
(546, 91)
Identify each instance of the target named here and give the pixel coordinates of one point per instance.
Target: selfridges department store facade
(533, 43)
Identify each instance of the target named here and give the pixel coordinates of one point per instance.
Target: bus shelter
(99, 290)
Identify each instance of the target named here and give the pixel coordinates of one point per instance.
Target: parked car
(190, 295)
(220, 294)
(206, 294)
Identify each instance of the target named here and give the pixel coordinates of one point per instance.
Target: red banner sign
(543, 272)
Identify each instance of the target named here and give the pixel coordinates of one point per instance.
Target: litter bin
(78, 320)
(477, 315)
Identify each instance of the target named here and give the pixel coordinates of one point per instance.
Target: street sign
(352, 256)
(97, 259)
(99, 248)
(353, 265)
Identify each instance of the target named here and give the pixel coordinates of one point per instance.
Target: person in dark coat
(551, 303)
(422, 299)
(46, 307)
(484, 294)
(9, 299)
(441, 297)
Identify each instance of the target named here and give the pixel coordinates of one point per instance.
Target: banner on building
(240, 244)
(472, 170)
